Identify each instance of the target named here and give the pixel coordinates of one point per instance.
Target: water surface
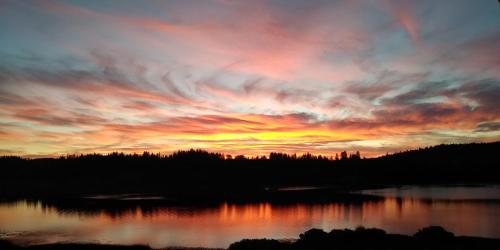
(462, 210)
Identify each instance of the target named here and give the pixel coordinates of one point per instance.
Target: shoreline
(432, 237)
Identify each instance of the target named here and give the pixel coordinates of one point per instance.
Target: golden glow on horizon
(247, 77)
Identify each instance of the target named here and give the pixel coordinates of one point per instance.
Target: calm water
(462, 210)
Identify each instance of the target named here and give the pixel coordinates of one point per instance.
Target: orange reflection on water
(227, 223)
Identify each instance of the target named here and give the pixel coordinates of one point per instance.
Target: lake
(473, 210)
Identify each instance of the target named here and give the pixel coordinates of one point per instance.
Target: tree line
(200, 154)
(202, 173)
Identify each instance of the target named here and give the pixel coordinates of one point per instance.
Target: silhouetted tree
(355, 156)
(343, 155)
(240, 157)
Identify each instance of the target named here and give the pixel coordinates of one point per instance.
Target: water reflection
(36, 222)
(445, 193)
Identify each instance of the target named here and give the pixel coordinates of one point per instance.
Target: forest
(198, 174)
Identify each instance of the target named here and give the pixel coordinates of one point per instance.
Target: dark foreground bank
(433, 237)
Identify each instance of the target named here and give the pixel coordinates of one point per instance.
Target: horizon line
(247, 156)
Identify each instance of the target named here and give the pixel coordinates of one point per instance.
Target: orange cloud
(405, 18)
(245, 77)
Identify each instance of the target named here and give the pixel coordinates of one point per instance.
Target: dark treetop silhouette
(200, 175)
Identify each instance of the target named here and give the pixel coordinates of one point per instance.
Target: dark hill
(200, 174)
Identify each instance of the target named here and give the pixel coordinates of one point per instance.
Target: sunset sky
(247, 77)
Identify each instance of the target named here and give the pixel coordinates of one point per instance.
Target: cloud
(402, 11)
(485, 92)
(472, 56)
(246, 76)
(488, 126)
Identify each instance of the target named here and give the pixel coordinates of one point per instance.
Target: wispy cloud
(247, 76)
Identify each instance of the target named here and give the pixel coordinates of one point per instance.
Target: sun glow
(246, 77)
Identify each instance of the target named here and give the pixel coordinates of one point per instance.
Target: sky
(247, 77)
